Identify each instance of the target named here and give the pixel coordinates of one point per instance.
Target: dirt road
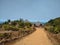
(39, 37)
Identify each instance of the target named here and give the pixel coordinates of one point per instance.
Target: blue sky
(33, 10)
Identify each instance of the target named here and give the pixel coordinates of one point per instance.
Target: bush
(28, 24)
(1, 35)
(7, 27)
(21, 25)
(56, 25)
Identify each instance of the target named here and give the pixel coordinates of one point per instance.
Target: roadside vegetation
(53, 28)
(18, 28)
(53, 25)
(16, 25)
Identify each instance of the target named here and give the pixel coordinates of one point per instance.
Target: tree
(21, 20)
(9, 20)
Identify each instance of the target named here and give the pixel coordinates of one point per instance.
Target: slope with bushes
(53, 30)
(53, 25)
(18, 28)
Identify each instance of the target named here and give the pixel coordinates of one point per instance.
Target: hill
(54, 25)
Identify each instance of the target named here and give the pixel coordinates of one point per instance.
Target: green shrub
(21, 25)
(56, 25)
(28, 24)
(1, 35)
(7, 27)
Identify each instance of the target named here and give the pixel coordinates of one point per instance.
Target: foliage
(1, 35)
(9, 20)
(0, 26)
(21, 24)
(13, 23)
(28, 24)
(55, 23)
(8, 27)
(16, 25)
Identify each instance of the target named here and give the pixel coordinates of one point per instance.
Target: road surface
(39, 37)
